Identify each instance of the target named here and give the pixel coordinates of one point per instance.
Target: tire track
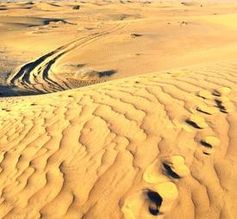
(37, 75)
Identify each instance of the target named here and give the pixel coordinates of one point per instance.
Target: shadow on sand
(10, 91)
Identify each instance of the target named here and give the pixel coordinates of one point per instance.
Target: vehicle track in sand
(37, 76)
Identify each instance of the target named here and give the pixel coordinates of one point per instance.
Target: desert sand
(118, 110)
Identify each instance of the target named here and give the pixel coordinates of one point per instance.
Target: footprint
(168, 193)
(144, 203)
(175, 167)
(150, 202)
(170, 172)
(223, 91)
(224, 104)
(222, 101)
(209, 110)
(197, 121)
(155, 202)
(210, 141)
(220, 106)
(153, 174)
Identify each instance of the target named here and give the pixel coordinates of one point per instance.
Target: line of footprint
(221, 100)
(162, 192)
(214, 102)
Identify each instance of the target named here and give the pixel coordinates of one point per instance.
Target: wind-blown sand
(152, 145)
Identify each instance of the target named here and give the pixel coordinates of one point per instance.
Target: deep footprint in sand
(220, 98)
(209, 142)
(209, 110)
(175, 167)
(155, 202)
(153, 173)
(169, 193)
(224, 104)
(220, 106)
(197, 121)
(144, 203)
(150, 202)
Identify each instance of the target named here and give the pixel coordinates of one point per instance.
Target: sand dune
(157, 144)
(160, 143)
(109, 39)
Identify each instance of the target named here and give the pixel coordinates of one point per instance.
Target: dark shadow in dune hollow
(10, 91)
(156, 201)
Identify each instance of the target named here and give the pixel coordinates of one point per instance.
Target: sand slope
(51, 46)
(153, 145)
(157, 144)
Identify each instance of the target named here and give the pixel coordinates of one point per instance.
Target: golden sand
(158, 144)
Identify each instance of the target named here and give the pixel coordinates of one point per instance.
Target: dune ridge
(160, 144)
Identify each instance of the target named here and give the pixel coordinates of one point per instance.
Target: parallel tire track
(37, 75)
